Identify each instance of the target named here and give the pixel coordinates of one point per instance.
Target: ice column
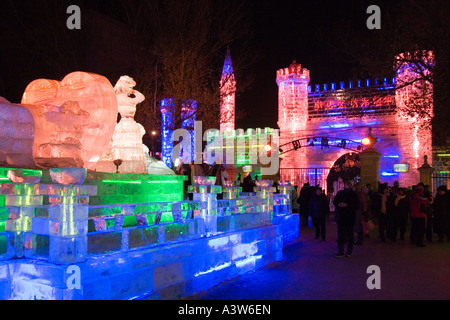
(20, 201)
(264, 190)
(230, 190)
(6, 238)
(68, 222)
(285, 189)
(204, 190)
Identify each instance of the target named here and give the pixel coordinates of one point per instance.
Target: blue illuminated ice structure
(57, 244)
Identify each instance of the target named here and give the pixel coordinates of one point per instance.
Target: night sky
(284, 30)
(293, 30)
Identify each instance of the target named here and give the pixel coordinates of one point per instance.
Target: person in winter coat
(383, 217)
(441, 211)
(346, 202)
(361, 213)
(248, 184)
(390, 213)
(400, 213)
(303, 200)
(429, 213)
(294, 197)
(319, 210)
(221, 177)
(375, 203)
(418, 215)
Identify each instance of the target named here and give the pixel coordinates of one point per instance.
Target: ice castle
(320, 124)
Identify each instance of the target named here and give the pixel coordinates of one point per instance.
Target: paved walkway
(309, 270)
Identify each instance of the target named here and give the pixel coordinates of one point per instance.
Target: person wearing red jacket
(418, 215)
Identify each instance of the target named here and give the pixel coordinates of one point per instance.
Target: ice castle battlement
(249, 132)
(385, 83)
(295, 71)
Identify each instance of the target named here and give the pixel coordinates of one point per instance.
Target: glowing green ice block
(114, 188)
(264, 190)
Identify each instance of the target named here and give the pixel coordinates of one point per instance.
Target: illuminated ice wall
(132, 236)
(227, 95)
(345, 111)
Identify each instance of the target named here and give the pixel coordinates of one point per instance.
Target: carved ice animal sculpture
(16, 135)
(74, 119)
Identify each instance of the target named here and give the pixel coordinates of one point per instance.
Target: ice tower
(227, 95)
(292, 109)
(168, 112)
(414, 136)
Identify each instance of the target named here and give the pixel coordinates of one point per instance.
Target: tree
(35, 43)
(182, 49)
(410, 29)
(172, 48)
(347, 167)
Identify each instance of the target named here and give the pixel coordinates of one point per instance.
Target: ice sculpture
(155, 166)
(21, 176)
(73, 119)
(68, 175)
(16, 135)
(126, 143)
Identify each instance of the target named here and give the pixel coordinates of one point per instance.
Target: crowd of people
(359, 208)
(192, 170)
(217, 170)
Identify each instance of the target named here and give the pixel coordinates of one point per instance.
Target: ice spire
(227, 94)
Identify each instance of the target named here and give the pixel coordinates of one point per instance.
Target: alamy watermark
(227, 149)
(374, 20)
(74, 20)
(74, 280)
(374, 280)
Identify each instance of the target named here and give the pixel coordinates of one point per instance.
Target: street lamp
(152, 140)
(369, 141)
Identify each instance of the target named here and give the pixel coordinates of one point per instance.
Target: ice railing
(69, 230)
